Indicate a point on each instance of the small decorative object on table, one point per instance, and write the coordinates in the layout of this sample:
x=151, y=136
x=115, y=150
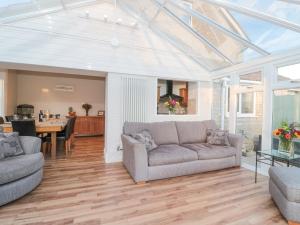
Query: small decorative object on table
x=171, y=105
x=87, y=108
x=71, y=111
x=286, y=133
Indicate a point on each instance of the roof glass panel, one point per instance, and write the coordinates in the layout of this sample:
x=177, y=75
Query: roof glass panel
x=212, y=47
x=167, y=26
x=283, y=9
x=266, y=35
x=233, y=49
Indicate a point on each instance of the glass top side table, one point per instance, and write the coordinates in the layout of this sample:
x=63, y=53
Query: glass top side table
x=272, y=156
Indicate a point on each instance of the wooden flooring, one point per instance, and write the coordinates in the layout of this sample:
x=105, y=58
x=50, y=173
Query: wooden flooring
x=82, y=189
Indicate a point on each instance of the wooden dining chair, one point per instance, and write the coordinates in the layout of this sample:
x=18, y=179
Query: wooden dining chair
x=1, y=120
x=28, y=128
x=9, y=118
x=24, y=127
x=65, y=135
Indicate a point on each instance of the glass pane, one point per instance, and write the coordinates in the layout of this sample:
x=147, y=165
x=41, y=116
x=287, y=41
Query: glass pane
x=250, y=114
x=251, y=78
x=289, y=73
x=167, y=27
x=267, y=36
x=286, y=105
x=219, y=107
x=247, y=102
x=224, y=43
x=280, y=9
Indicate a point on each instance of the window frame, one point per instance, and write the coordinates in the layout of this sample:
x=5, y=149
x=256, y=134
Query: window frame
x=239, y=113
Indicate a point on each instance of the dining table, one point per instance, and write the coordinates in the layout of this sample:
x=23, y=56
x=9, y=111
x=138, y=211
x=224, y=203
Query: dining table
x=51, y=126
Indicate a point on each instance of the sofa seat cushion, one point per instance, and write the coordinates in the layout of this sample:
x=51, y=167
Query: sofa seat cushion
x=287, y=179
x=14, y=168
x=170, y=154
x=207, y=151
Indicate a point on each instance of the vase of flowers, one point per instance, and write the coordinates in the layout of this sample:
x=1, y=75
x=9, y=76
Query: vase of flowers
x=286, y=133
x=171, y=105
x=87, y=108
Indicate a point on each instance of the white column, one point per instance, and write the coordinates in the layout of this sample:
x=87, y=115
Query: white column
x=269, y=76
x=224, y=95
x=234, y=84
x=113, y=118
x=3, y=95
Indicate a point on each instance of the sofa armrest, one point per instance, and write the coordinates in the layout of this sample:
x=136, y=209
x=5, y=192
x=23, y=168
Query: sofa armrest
x=236, y=141
x=30, y=145
x=135, y=158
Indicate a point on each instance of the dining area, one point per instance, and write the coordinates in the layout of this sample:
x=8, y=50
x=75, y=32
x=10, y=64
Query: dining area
x=50, y=131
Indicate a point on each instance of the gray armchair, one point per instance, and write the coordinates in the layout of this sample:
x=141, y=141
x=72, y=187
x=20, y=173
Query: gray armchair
x=19, y=175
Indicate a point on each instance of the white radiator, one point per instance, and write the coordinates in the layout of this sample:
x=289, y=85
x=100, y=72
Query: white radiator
x=135, y=99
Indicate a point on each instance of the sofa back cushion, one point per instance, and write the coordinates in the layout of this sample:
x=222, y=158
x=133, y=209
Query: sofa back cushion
x=210, y=124
x=163, y=133
x=131, y=128
x=194, y=131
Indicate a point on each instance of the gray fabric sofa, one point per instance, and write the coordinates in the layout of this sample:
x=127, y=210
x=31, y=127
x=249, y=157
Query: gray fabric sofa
x=181, y=150
x=284, y=187
x=19, y=175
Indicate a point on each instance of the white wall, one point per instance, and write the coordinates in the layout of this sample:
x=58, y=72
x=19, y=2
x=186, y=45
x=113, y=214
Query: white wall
x=30, y=91
x=115, y=110
x=9, y=92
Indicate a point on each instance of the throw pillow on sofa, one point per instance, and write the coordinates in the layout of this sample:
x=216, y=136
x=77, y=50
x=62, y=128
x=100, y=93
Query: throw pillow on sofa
x=218, y=137
x=146, y=138
x=10, y=145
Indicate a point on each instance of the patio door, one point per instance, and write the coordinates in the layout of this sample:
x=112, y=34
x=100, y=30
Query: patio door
x=249, y=113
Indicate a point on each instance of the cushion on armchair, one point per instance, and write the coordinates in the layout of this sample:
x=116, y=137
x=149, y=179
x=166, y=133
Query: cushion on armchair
x=10, y=145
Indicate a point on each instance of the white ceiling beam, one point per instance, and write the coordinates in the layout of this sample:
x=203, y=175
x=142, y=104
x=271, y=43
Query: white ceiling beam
x=256, y=14
x=212, y=23
x=196, y=34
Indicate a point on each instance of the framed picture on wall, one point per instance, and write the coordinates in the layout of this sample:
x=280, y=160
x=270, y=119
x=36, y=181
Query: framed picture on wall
x=100, y=113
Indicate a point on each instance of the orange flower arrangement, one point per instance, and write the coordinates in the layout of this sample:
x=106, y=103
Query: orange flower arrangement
x=286, y=134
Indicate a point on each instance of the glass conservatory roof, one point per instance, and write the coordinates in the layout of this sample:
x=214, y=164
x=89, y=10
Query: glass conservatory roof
x=214, y=33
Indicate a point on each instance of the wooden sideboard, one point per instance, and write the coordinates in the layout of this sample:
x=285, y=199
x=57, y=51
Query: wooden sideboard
x=89, y=126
